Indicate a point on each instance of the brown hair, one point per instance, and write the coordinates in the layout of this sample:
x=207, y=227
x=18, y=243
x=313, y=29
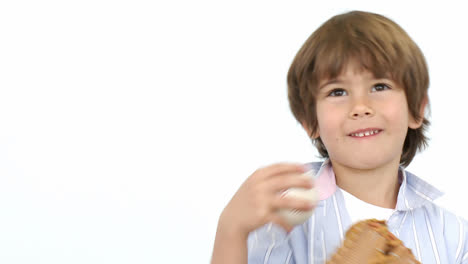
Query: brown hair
x=380, y=46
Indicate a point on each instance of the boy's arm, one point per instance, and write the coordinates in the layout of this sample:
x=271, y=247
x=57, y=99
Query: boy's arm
x=230, y=246
x=255, y=204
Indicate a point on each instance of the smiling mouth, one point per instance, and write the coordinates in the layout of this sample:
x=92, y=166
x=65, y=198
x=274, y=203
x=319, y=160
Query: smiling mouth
x=366, y=133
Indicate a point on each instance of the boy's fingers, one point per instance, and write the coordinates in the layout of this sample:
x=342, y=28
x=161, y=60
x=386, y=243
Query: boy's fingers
x=281, y=168
x=285, y=202
x=291, y=181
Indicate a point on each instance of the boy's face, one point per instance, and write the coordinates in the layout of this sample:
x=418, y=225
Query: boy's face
x=362, y=121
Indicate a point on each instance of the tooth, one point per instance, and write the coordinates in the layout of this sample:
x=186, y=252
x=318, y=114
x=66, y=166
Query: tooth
x=361, y=134
x=372, y=132
x=367, y=133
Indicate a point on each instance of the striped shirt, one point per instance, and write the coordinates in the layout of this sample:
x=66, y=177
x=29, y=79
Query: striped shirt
x=433, y=234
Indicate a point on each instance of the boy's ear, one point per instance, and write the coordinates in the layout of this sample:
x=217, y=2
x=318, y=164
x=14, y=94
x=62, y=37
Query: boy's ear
x=308, y=130
x=415, y=124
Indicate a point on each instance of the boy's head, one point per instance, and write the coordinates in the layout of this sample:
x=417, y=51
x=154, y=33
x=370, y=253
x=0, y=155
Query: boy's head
x=374, y=44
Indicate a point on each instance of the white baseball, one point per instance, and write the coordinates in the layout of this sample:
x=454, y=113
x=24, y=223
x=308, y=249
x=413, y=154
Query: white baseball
x=296, y=217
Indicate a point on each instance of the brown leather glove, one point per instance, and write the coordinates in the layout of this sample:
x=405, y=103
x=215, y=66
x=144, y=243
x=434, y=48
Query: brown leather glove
x=370, y=242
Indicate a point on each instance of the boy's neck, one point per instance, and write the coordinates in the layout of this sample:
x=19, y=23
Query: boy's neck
x=377, y=186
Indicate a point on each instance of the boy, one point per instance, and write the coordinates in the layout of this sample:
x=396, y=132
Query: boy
x=359, y=88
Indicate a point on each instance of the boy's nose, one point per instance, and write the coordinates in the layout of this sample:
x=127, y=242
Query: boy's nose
x=361, y=109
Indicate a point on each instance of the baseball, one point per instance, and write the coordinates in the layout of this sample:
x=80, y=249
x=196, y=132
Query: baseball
x=296, y=217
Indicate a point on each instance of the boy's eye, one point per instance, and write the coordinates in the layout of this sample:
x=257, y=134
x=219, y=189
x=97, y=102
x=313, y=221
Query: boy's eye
x=380, y=87
x=337, y=92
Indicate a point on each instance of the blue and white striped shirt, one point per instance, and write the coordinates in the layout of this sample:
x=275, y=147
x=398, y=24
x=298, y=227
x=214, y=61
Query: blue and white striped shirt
x=433, y=234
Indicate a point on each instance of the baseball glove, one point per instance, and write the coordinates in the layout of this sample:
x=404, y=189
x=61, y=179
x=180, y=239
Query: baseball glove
x=371, y=242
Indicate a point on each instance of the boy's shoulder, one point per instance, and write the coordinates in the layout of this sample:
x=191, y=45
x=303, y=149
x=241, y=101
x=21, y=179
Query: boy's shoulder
x=419, y=197
x=446, y=228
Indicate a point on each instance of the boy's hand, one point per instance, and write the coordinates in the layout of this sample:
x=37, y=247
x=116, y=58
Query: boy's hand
x=259, y=197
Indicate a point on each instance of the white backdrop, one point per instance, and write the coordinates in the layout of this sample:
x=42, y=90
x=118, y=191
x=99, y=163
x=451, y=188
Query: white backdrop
x=126, y=126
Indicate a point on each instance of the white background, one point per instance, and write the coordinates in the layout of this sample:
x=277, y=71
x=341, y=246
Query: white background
x=126, y=126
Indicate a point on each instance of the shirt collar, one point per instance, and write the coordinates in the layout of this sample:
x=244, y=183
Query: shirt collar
x=414, y=192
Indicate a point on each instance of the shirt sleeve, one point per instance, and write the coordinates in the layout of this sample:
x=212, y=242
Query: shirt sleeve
x=455, y=230
x=269, y=245
x=463, y=238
